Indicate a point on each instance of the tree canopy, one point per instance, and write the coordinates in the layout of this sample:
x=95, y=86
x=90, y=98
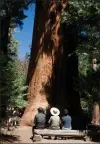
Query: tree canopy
x=11, y=11
x=86, y=16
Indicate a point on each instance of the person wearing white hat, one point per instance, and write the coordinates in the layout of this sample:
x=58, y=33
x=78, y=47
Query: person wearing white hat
x=54, y=121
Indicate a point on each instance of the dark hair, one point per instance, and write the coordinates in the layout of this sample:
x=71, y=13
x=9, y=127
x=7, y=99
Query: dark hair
x=40, y=110
x=65, y=111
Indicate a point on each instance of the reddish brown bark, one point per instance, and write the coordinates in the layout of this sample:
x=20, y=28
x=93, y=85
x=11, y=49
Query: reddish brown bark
x=46, y=41
x=96, y=115
x=96, y=107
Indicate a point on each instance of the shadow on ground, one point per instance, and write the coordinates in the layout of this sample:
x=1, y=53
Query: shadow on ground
x=8, y=139
x=94, y=132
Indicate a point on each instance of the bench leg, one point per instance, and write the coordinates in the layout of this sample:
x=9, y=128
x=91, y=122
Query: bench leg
x=86, y=138
x=37, y=138
x=63, y=138
x=55, y=138
x=49, y=137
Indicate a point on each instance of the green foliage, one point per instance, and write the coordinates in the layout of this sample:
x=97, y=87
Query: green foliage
x=14, y=9
x=18, y=92
x=12, y=79
x=85, y=14
x=81, y=11
x=11, y=15
x=7, y=68
x=84, y=63
x=19, y=84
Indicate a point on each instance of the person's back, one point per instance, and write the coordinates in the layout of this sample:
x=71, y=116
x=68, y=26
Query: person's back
x=54, y=122
x=40, y=121
x=66, y=120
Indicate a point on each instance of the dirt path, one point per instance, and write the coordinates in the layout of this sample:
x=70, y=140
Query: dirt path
x=23, y=135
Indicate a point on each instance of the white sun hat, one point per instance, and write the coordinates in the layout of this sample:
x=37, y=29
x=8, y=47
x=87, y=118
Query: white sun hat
x=54, y=111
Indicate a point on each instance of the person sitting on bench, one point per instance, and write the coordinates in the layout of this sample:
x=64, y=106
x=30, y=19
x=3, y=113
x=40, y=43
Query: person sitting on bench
x=54, y=121
x=39, y=120
x=66, y=121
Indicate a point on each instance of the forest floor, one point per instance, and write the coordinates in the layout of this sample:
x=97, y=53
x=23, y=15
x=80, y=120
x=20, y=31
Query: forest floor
x=23, y=135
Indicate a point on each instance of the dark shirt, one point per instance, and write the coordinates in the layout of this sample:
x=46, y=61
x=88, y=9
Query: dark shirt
x=66, y=120
x=40, y=121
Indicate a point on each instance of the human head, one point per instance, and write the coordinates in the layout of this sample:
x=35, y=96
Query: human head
x=40, y=110
x=65, y=111
x=54, y=111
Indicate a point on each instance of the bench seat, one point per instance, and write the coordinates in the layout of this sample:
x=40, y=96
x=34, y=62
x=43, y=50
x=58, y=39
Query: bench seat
x=61, y=133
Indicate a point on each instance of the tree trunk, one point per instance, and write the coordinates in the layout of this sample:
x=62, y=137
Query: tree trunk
x=46, y=42
x=96, y=105
x=96, y=115
x=4, y=37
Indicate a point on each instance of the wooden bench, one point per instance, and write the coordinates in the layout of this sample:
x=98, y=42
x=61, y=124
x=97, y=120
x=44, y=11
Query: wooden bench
x=38, y=134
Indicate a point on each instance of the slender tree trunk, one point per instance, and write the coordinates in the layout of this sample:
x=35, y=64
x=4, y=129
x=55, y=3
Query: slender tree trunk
x=46, y=41
x=96, y=115
x=96, y=106
x=4, y=37
x=4, y=40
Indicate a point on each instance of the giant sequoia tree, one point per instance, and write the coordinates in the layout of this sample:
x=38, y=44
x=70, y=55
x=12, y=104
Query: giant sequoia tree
x=53, y=69
x=45, y=50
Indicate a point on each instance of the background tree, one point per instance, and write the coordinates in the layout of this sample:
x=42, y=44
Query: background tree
x=19, y=90
x=13, y=72
x=7, y=65
x=11, y=15
x=12, y=10
x=85, y=15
